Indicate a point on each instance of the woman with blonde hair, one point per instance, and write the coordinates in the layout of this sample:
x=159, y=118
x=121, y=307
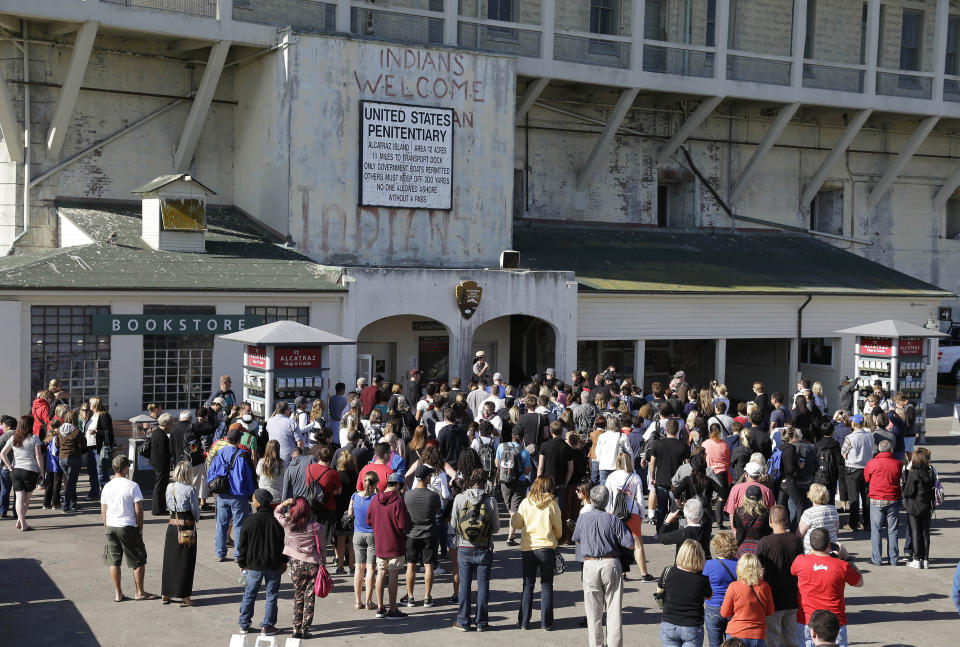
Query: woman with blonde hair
x=822, y=514
x=100, y=440
x=705, y=402
x=751, y=521
x=539, y=520
x=363, y=547
x=626, y=480
x=818, y=397
x=747, y=603
x=721, y=571
x=684, y=589
x=270, y=470
x=180, y=560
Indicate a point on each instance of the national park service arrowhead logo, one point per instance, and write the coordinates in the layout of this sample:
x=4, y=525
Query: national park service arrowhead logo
x=468, y=297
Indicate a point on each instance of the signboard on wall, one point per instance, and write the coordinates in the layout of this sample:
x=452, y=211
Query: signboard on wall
x=879, y=346
x=297, y=358
x=434, y=358
x=910, y=347
x=201, y=324
x=256, y=356
x=406, y=156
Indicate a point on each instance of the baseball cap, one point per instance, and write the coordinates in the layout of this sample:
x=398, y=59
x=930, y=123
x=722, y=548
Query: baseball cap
x=858, y=419
x=480, y=353
x=753, y=469
x=297, y=401
x=424, y=472
x=395, y=477
x=550, y=371
x=247, y=418
x=679, y=374
x=498, y=376
x=220, y=401
x=415, y=371
x=754, y=493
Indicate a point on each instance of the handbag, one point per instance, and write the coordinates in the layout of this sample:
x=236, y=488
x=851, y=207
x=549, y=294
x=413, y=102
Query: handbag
x=660, y=596
x=324, y=583
x=559, y=565
x=221, y=484
x=346, y=521
x=185, y=536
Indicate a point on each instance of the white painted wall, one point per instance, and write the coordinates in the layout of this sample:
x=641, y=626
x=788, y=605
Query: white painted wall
x=70, y=234
x=12, y=400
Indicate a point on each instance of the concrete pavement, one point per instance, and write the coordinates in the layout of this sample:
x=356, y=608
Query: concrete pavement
x=55, y=590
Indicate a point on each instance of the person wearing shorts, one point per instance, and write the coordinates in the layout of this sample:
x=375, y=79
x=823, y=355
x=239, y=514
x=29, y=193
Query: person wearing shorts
x=363, y=545
x=388, y=517
x=514, y=491
x=423, y=505
x=121, y=509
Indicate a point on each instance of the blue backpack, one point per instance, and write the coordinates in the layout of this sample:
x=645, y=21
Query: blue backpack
x=773, y=465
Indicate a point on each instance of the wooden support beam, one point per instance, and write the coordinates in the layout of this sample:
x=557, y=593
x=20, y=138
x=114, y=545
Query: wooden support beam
x=530, y=94
x=846, y=138
x=67, y=99
x=900, y=162
x=769, y=139
x=689, y=126
x=606, y=138
x=201, y=106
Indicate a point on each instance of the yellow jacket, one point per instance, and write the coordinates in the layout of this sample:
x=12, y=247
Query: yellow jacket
x=540, y=524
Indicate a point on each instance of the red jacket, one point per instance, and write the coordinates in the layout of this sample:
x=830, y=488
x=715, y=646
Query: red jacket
x=883, y=475
x=388, y=517
x=41, y=415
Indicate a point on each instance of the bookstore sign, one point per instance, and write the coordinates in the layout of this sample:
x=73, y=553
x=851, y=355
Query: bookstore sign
x=173, y=324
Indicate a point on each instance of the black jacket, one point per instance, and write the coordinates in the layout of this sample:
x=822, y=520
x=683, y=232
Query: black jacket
x=672, y=533
x=918, y=490
x=260, y=546
x=159, y=450
x=177, y=437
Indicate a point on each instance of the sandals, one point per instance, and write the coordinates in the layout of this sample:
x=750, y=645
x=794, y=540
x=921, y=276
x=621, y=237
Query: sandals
x=186, y=603
x=359, y=606
x=148, y=596
x=166, y=600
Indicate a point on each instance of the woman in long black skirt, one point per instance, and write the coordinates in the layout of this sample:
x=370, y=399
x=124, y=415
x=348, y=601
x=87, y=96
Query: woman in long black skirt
x=179, y=560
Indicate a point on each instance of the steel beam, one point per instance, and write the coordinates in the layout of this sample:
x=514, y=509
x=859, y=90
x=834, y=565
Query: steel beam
x=769, y=139
x=600, y=149
x=201, y=106
x=900, y=161
x=531, y=94
x=71, y=88
x=945, y=192
x=691, y=124
x=10, y=125
x=846, y=138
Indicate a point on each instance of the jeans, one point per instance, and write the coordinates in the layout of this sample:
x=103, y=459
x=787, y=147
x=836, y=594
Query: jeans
x=663, y=506
x=804, y=639
x=603, y=476
x=474, y=562
x=891, y=512
x=91, y=459
x=595, y=471
x=796, y=499
x=782, y=628
x=6, y=487
x=857, y=495
x=920, y=531
x=272, y=580
x=230, y=505
x=542, y=560
x=676, y=636
x=71, y=474
x=105, y=466
x=751, y=642
x=715, y=625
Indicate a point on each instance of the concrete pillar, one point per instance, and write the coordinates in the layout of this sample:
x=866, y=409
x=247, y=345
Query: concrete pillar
x=461, y=342
x=126, y=367
x=793, y=370
x=15, y=376
x=720, y=360
x=639, y=360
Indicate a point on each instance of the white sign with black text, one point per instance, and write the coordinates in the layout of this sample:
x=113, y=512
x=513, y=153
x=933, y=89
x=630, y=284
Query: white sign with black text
x=406, y=156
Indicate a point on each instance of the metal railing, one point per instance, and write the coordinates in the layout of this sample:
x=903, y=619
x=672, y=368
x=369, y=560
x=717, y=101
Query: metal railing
x=310, y=15
x=402, y=26
x=664, y=57
x=499, y=37
x=833, y=76
x=901, y=83
x=591, y=49
x=206, y=8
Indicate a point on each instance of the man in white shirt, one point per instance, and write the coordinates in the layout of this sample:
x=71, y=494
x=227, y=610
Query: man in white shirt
x=121, y=509
x=302, y=419
x=610, y=443
x=721, y=418
x=283, y=430
x=488, y=413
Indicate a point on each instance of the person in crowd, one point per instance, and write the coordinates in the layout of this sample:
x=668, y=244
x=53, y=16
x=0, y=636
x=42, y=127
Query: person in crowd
x=53, y=481
x=797, y=476
x=751, y=522
x=343, y=535
x=475, y=519
x=295, y=475
x=625, y=480
x=695, y=484
x=776, y=553
x=321, y=474
x=685, y=589
x=748, y=603
x=260, y=546
x=882, y=475
x=513, y=473
x=98, y=430
x=956, y=588
x=753, y=476
x=822, y=514
x=234, y=463
x=600, y=536
x=856, y=451
x=721, y=571
x=717, y=452
x=556, y=460
x=363, y=544
x=538, y=518
x=830, y=461
x=40, y=413
x=284, y=430
x=918, y=489
x=22, y=455
x=303, y=545
x=740, y=455
x=824, y=628
x=423, y=506
x=821, y=579
x=8, y=427
x=121, y=511
x=388, y=517
x=665, y=458
x=180, y=560
x=270, y=470
x=671, y=532
x=380, y=465
x=225, y=392
x=159, y=457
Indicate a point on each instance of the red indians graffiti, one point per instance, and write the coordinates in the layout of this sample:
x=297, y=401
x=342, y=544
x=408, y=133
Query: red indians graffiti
x=440, y=77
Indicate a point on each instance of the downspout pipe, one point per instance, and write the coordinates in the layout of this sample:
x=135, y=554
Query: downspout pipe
x=800, y=330
x=26, y=144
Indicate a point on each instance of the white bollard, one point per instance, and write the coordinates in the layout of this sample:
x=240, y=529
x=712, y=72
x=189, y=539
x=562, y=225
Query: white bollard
x=265, y=641
x=238, y=640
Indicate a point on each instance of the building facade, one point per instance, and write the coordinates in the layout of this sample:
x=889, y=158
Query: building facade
x=826, y=124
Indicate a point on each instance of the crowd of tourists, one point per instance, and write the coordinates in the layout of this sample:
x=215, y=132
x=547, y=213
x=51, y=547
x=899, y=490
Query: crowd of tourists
x=395, y=478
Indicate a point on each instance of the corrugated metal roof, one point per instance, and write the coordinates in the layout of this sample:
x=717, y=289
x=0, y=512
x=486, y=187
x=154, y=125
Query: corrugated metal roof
x=240, y=256
x=635, y=260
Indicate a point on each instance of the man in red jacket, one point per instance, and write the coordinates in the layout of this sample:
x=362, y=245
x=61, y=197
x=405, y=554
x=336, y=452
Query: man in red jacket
x=388, y=517
x=882, y=475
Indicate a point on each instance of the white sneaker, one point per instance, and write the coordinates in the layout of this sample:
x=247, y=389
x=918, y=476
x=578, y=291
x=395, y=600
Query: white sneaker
x=925, y=564
x=915, y=564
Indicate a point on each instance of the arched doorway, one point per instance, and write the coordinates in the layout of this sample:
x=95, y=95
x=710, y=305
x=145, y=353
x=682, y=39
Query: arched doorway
x=518, y=346
x=391, y=346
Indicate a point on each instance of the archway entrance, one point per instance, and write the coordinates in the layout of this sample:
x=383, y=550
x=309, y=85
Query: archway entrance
x=391, y=346
x=518, y=346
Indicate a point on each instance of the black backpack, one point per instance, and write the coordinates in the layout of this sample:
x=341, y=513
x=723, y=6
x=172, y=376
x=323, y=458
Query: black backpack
x=192, y=449
x=808, y=462
x=827, y=469
x=486, y=456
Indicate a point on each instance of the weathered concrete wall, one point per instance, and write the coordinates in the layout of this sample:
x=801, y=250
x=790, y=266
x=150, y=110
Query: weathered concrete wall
x=329, y=78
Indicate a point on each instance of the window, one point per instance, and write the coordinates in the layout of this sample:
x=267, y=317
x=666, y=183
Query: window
x=816, y=350
x=63, y=347
x=271, y=314
x=811, y=23
x=953, y=41
x=952, y=230
x=182, y=214
x=910, y=30
x=596, y=356
x=826, y=211
x=654, y=27
x=501, y=10
x=602, y=17
x=519, y=192
x=863, y=34
x=711, y=35
x=177, y=369
x=435, y=25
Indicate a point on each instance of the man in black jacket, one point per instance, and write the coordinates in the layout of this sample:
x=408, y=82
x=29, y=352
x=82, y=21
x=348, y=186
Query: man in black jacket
x=159, y=458
x=260, y=555
x=671, y=532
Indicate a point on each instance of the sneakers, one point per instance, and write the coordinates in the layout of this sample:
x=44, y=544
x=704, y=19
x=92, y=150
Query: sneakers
x=454, y=599
x=440, y=570
x=245, y=630
x=924, y=564
x=371, y=606
x=407, y=601
x=297, y=634
x=381, y=612
x=458, y=627
x=269, y=630
x=483, y=627
x=341, y=570
x=395, y=614
x=915, y=563
x=647, y=578
x=511, y=542
x=428, y=601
